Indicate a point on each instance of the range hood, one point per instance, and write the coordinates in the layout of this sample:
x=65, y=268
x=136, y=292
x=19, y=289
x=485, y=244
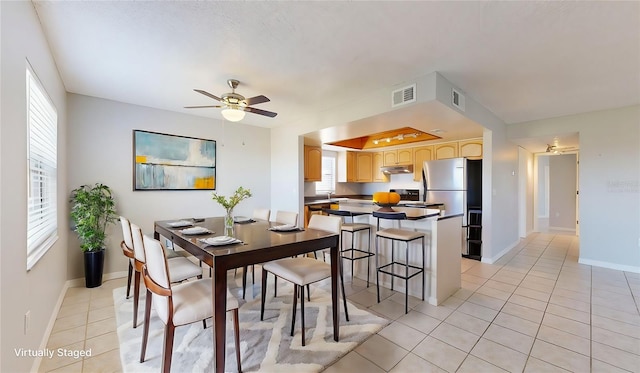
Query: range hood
x=400, y=169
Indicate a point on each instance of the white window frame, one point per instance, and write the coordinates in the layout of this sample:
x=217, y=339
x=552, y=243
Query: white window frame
x=42, y=169
x=328, y=183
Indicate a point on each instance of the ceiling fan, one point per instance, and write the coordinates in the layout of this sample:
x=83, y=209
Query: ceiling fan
x=555, y=149
x=235, y=105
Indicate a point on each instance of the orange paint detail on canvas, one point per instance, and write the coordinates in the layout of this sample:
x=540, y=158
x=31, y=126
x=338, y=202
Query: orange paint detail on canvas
x=204, y=183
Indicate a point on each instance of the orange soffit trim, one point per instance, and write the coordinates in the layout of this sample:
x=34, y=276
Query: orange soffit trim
x=141, y=159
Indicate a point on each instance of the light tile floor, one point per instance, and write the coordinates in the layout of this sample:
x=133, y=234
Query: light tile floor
x=535, y=310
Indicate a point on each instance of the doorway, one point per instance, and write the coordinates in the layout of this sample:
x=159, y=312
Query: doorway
x=555, y=193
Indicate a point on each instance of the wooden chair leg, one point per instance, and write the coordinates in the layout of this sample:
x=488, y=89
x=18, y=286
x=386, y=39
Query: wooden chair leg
x=275, y=286
x=302, y=311
x=295, y=305
x=264, y=293
x=236, y=330
x=169, y=331
x=136, y=296
x=244, y=281
x=204, y=324
x=129, y=279
x=145, y=331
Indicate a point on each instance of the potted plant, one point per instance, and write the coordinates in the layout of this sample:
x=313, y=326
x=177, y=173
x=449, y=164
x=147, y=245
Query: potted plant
x=228, y=204
x=92, y=209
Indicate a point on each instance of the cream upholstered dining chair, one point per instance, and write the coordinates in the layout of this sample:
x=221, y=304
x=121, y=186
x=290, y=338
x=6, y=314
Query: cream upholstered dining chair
x=177, y=305
x=180, y=267
x=287, y=217
x=284, y=217
x=302, y=271
x=262, y=214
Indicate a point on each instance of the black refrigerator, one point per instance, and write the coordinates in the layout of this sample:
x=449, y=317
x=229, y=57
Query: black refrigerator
x=457, y=183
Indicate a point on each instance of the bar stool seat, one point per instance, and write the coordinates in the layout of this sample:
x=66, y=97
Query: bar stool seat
x=399, y=234
x=352, y=253
x=395, y=268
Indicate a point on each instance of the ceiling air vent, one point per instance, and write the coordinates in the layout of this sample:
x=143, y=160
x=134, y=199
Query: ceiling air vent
x=403, y=95
x=457, y=99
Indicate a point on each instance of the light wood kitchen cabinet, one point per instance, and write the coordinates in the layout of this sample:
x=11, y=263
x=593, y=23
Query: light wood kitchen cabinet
x=421, y=154
x=446, y=150
x=471, y=149
x=378, y=161
x=398, y=156
x=364, y=167
x=312, y=163
x=347, y=167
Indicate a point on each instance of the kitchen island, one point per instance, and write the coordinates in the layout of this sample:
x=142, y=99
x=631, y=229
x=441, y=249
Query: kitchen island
x=443, y=244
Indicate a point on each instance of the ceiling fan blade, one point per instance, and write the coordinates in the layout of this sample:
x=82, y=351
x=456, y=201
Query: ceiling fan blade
x=270, y=114
x=199, y=107
x=208, y=94
x=257, y=100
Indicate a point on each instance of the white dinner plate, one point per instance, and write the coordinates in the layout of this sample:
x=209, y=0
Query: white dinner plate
x=285, y=227
x=179, y=223
x=195, y=230
x=241, y=219
x=219, y=241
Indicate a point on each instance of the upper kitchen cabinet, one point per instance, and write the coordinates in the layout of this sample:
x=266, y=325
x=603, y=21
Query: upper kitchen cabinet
x=421, y=154
x=446, y=150
x=347, y=167
x=398, y=156
x=364, y=167
x=378, y=161
x=312, y=163
x=471, y=149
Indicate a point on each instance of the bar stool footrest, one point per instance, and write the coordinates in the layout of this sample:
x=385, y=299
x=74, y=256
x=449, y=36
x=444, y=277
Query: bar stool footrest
x=356, y=254
x=397, y=269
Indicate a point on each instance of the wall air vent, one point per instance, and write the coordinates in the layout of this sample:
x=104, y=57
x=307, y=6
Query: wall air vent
x=403, y=96
x=457, y=99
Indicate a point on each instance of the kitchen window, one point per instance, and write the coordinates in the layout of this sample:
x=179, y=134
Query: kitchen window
x=328, y=183
x=42, y=169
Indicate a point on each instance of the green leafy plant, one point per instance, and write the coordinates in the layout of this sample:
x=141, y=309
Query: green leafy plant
x=239, y=195
x=92, y=209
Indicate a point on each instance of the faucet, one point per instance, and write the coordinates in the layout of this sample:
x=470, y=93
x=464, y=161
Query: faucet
x=329, y=195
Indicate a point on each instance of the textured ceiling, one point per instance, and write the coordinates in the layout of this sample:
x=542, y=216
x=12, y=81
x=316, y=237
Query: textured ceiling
x=521, y=60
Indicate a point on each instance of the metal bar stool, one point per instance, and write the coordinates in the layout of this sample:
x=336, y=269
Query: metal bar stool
x=352, y=253
x=395, y=268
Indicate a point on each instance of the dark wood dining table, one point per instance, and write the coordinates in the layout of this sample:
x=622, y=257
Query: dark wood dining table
x=259, y=245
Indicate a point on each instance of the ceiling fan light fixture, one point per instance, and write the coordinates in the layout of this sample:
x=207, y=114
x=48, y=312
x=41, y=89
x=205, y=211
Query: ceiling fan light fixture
x=233, y=114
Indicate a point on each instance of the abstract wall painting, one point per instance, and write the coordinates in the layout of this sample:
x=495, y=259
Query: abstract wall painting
x=172, y=162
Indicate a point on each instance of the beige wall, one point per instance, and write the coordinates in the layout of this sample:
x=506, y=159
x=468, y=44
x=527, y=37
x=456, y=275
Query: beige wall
x=100, y=150
x=609, y=177
x=39, y=289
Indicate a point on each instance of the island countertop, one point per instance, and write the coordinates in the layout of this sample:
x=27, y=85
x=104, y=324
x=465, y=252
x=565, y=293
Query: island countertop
x=412, y=213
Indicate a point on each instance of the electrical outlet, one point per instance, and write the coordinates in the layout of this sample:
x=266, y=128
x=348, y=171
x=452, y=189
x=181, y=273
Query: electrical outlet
x=27, y=321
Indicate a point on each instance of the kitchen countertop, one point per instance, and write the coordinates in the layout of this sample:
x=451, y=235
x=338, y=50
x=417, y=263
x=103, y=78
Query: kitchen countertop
x=412, y=213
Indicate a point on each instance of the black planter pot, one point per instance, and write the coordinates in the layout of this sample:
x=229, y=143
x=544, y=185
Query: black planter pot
x=93, y=267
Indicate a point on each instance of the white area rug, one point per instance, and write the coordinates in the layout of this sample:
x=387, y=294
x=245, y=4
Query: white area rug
x=266, y=346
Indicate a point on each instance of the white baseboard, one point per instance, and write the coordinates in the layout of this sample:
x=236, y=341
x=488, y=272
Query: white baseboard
x=47, y=333
x=497, y=257
x=619, y=267
x=77, y=282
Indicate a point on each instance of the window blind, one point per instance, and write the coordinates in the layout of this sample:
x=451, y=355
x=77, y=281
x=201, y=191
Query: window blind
x=328, y=183
x=42, y=163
